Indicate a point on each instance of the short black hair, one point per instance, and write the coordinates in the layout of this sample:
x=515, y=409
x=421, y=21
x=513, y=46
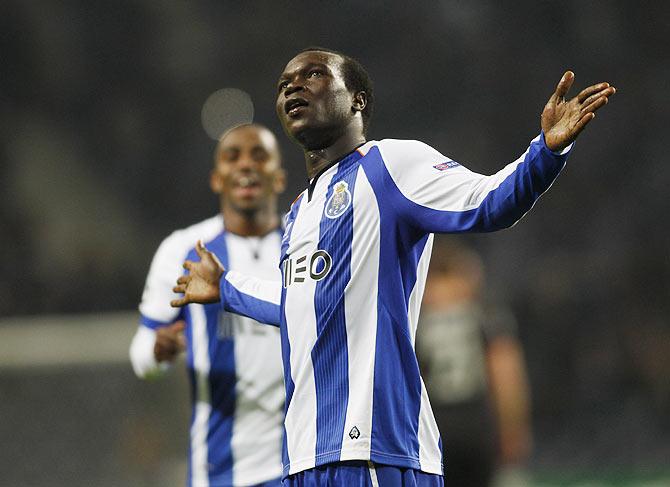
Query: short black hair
x=356, y=79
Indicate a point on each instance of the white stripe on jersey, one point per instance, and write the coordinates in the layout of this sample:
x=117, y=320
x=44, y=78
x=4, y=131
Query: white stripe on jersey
x=414, y=305
x=430, y=454
x=361, y=340
x=200, y=426
x=259, y=393
x=260, y=289
x=301, y=329
x=418, y=185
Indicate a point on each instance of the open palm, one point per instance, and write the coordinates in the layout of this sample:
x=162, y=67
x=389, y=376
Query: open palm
x=201, y=284
x=563, y=120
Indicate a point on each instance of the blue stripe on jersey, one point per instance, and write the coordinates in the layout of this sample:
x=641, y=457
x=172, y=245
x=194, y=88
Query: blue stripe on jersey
x=330, y=354
x=221, y=382
x=501, y=208
x=153, y=324
x=397, y=387
x=188, y=335
x=222, y=379
x=285, y=343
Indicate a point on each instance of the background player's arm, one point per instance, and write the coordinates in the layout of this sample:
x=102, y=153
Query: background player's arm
x=439, y=195
x=153, y=350
x=511, y=398
x=208, y=282
x=158, y=336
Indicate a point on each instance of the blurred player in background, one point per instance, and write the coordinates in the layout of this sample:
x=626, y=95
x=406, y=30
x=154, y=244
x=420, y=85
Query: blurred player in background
x=234, y=363
x=354, y=259
x=474, y=370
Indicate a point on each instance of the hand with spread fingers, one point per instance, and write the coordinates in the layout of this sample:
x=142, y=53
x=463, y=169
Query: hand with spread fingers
x=563, y=120
x=201, y=284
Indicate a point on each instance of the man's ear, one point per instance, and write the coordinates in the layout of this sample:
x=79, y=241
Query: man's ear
x=279, y=181
x=215, y=182
x=360, y=101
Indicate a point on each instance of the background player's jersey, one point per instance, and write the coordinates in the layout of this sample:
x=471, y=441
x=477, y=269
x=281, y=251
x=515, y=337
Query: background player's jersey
x=234, y=363
x=354, y=261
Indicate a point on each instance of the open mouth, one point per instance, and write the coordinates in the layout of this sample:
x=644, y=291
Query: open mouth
x=247, y=182
x=294, y=106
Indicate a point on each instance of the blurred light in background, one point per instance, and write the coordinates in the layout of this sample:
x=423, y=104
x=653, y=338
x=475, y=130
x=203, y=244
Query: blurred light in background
x=225, y=109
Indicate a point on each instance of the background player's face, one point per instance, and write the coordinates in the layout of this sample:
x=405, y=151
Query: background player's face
x=312, y=98
x=248, y=171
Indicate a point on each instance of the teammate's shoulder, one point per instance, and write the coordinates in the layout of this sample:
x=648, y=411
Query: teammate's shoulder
x=184, y=239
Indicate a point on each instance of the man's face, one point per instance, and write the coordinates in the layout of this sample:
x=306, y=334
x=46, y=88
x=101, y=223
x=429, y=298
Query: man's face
x=248, y=169
x=312, y=97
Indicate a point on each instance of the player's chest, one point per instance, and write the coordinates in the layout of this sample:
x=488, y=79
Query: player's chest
x=337, y=207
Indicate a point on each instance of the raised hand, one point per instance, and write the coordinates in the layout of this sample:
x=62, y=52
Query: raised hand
x=563, y=120
x=170, y=342
x=201, y=284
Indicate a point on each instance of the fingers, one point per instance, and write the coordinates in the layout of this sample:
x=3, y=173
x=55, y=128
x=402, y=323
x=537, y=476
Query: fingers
x=200, y=249
x=596, y=95
x=586, y=92
x=579, y=126
x=188, y=265
x=178, y=326
x=170, y=341
x=182, y=284
x=595, y=105
x=565, y=84
x=178, y=303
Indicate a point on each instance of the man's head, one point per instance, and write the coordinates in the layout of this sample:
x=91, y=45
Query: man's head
x=247, y=169
x=322, y=94
x=456, y=275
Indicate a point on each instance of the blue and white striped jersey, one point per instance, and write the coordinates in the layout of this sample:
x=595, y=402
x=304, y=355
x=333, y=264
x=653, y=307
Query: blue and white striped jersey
x=354, y=260
x=234, y=363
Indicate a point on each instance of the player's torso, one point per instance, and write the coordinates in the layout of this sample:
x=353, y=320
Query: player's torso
x=332, y=229
x=330, y=269
x=236, y=342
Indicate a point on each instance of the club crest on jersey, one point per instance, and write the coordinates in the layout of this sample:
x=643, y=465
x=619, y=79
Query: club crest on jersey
x=443, y=166
x=339, y=201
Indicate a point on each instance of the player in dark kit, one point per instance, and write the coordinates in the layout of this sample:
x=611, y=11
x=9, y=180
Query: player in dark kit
x=354, y=258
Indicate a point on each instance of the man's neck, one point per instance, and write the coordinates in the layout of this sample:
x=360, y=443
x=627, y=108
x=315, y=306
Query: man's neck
x=250, y=224
x=317, y=159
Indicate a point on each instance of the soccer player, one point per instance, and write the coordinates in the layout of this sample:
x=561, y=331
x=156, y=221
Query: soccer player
x=234, y=363
x=473, y=367
x=354, y=258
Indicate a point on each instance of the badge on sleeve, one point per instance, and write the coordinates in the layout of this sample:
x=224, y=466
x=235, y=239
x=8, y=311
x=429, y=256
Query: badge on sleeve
x=443, y=166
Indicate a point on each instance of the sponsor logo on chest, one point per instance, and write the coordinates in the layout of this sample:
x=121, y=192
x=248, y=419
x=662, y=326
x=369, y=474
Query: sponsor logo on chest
x=316, y=266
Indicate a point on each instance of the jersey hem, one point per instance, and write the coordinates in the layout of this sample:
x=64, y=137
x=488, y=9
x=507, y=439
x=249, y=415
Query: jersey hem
x=368, y=455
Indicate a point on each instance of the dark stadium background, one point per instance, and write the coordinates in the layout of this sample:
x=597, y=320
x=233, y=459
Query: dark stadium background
x=103, y=153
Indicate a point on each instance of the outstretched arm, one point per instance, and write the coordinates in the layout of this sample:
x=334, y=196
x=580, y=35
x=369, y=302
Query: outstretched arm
x=208, y=282
x=436, y=194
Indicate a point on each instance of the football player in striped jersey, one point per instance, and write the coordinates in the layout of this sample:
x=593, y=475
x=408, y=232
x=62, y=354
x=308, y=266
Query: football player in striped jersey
x=233, y=362
x=354, y=259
